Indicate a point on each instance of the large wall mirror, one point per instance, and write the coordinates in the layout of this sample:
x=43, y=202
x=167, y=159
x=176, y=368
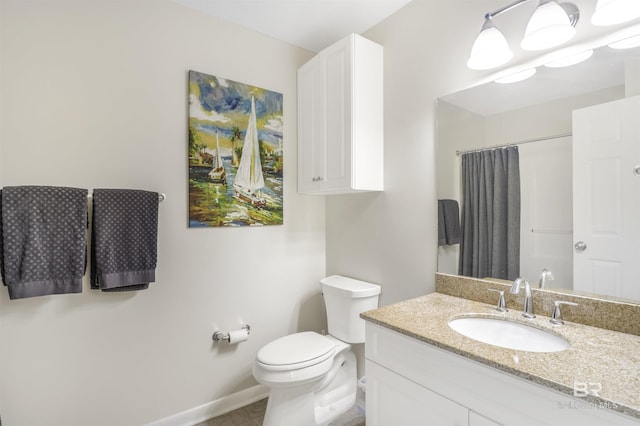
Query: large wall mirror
x=577, y=130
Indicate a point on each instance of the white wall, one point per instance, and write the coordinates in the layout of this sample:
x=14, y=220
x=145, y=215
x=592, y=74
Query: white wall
x=456, y=129
x=94, y=94
x=544, y=120
x=546, y=217
x=390, y=237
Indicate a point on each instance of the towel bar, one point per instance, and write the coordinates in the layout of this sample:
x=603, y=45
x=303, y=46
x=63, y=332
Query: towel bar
x=161, y=196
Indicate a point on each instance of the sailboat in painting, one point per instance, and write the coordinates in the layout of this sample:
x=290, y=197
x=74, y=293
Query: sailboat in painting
x=217, y=173
x=249, y=180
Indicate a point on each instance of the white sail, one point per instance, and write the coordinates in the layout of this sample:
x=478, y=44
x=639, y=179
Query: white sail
x=218, y=162
x=217, y=173
x=249, y=177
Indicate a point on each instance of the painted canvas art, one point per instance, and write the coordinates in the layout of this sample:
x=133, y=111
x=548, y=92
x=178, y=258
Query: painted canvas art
x=235, y=153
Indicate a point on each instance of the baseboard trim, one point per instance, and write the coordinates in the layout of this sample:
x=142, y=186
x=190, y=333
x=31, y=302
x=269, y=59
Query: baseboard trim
x=215, y=408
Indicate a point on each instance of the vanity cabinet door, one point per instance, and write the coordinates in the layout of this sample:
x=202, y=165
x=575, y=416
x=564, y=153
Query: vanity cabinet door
x=395, y=400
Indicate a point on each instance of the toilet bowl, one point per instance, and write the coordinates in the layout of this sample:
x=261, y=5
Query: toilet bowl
x=312, y=378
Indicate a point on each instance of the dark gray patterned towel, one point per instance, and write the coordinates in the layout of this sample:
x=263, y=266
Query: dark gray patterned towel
x=1, y=246
x=449, y=231
x=44, y=231
x=124, y=239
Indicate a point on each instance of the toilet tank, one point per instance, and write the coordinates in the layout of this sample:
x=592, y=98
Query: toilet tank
x=345, y=298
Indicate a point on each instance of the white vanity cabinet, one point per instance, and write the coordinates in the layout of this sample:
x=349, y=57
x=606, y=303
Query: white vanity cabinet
x=340, y=119
x=410, y=382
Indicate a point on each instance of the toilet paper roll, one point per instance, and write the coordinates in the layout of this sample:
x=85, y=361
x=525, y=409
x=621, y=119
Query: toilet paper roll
x=238, y=336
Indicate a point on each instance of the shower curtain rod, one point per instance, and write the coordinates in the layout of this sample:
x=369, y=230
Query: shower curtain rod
x=488, y=148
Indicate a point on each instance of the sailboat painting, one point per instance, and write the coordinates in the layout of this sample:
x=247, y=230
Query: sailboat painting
x=235, y=153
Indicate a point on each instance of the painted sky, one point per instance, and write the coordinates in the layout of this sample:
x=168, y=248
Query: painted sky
x=220, y=99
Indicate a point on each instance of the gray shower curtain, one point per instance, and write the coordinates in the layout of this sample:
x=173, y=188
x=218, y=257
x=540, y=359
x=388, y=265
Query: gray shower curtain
x=490, y=214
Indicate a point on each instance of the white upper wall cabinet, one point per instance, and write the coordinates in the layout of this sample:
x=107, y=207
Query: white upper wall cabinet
x=340, y=119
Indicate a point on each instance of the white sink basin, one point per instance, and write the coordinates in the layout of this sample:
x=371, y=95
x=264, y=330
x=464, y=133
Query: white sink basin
x=508, y=334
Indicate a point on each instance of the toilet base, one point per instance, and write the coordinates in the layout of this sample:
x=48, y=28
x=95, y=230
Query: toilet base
x=318, y=402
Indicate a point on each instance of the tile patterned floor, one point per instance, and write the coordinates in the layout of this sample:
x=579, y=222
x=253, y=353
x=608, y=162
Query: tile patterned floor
x=252, y=415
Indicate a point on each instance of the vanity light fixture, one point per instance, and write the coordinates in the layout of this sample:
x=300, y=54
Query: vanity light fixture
x=627, y=43
x=570, y=60
x=611, y=12
x=550, y=25
x=516, y=77
x=490, y=50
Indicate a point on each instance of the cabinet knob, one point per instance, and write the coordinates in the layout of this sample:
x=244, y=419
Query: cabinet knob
x=316, y=179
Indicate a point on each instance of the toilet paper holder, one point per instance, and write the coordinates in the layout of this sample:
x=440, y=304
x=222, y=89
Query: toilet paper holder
x=219, y=336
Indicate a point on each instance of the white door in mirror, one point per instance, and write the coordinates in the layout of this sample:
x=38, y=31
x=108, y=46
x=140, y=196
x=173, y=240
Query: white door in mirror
x=605, y=212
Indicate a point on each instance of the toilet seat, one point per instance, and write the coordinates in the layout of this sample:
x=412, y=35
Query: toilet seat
x=295, y=351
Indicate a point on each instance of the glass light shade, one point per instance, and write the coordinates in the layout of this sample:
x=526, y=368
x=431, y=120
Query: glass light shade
x=570, y=60
x=611, y=12
x=516, y=77
x=490, y=50
x=548, y=27
x=627, y=43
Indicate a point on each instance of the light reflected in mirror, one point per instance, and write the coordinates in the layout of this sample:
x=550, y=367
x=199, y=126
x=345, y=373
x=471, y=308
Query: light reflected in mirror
x=537, y=115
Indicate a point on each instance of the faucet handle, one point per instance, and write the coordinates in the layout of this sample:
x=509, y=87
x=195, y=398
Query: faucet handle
x=556, y=317
x=502, y=305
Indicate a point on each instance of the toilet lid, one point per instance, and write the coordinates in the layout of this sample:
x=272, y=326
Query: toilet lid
x=299, y=348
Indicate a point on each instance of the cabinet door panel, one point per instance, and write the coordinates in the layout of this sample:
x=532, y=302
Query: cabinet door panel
x=394, y=400
x=337, y=172
x=310, y=133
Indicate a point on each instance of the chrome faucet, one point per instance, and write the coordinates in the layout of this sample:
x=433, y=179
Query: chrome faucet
x=544, y=276
x=528, y=299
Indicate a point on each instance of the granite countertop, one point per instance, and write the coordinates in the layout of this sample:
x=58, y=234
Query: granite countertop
x=608, y=358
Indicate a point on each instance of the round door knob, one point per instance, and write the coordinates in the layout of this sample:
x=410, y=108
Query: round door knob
x=580, y=246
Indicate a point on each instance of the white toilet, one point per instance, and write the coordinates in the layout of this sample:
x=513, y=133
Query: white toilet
x=312, y=378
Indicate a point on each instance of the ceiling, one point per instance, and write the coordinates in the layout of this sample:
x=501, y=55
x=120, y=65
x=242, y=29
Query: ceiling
x=310, y=24
x=316, y=24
